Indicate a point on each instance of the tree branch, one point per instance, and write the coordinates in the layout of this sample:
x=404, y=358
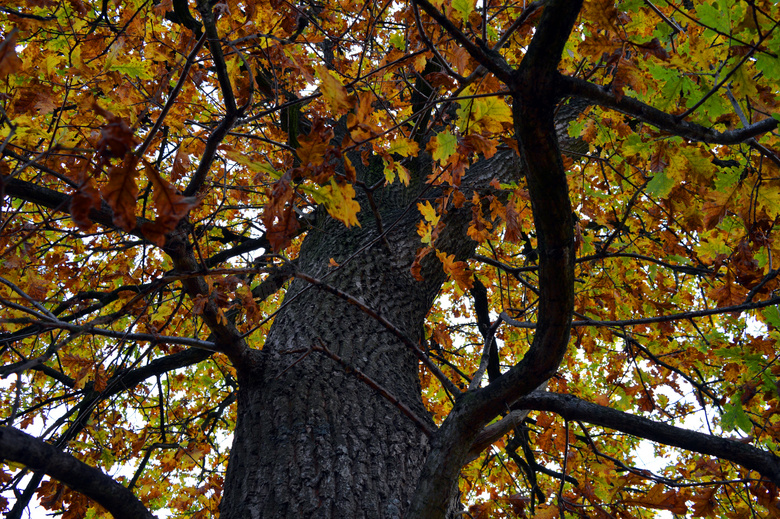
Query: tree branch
x=573, y=408
x=662, y=120
x=492, y=61
x=535, y=97
x=37, y=455
x=658, y=319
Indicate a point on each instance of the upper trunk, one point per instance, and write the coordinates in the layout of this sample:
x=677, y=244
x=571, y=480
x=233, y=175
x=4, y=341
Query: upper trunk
x=312, y=439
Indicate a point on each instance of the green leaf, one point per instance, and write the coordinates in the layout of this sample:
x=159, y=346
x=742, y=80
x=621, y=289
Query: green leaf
x=398, y=41
x=772, y=315
x=444, y=146
x=463, y=7
x=660, y=185
x=135, y=68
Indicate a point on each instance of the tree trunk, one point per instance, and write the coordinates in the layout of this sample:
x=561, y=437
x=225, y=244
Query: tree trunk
x=312, y=439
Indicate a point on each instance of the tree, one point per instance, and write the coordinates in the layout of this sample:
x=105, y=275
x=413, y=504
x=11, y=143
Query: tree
x=390, y=259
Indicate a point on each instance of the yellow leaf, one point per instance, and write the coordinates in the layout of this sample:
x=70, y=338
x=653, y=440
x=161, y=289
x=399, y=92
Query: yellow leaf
x=428, y=212
x=404, y=147
x=394, y=168
x=334, y=93
x=340, y=202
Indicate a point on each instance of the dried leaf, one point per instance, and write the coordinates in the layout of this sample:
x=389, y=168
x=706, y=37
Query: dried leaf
x=9, y=61
x=121, y=192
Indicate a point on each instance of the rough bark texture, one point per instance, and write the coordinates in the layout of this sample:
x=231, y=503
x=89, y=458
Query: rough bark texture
x=313, y=440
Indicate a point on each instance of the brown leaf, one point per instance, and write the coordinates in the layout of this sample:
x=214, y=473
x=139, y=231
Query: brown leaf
x=180, y=164
x=513, y=226
x=168, y=202
x=9, y=61
x=121, y=192
x=657, y=498
x=660, y=159
x=704, y=502
x=729, y=293
x=656, y=49
x=116, y=137
x=82, y=201
x=170, y=205
x=279, y=217
x=312, y=146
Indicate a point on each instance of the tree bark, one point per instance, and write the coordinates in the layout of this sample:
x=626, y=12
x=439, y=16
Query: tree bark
x=312, y=439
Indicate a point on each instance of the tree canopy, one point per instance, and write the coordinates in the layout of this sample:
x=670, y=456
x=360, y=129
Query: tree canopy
x=583, y=194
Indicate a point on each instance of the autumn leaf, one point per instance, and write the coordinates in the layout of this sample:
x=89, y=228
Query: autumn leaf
x=116, y=137
x=333, y=91
x=513, y=226
x=9, y=61
x=312, y=146
x=728, y=293
x=85, y=198
x=121, y=192
x=170, y=205
x=279, y=217
x=339, y=200
x=457, y=270
x=442, y=146
x=657, y=498
x=393, y=169
x=404, y=147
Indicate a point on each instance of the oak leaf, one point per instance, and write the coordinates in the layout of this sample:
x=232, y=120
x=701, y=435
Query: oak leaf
x=9, y=61
x=457, y=270
x=116, y=137
x=333, y=91
x=121, y=192
x=82, y=202
x=170, y=205
x=279, y=217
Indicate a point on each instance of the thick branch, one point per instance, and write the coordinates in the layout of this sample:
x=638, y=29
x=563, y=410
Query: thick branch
x=572, y=408
x=657, y=319
x=57, y=201
x=535, y=96
x=662, y=120
x=22, y=448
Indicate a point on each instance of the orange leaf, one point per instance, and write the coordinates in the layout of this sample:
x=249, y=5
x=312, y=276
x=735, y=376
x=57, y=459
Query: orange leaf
x=458, y=270
x=312, y=146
